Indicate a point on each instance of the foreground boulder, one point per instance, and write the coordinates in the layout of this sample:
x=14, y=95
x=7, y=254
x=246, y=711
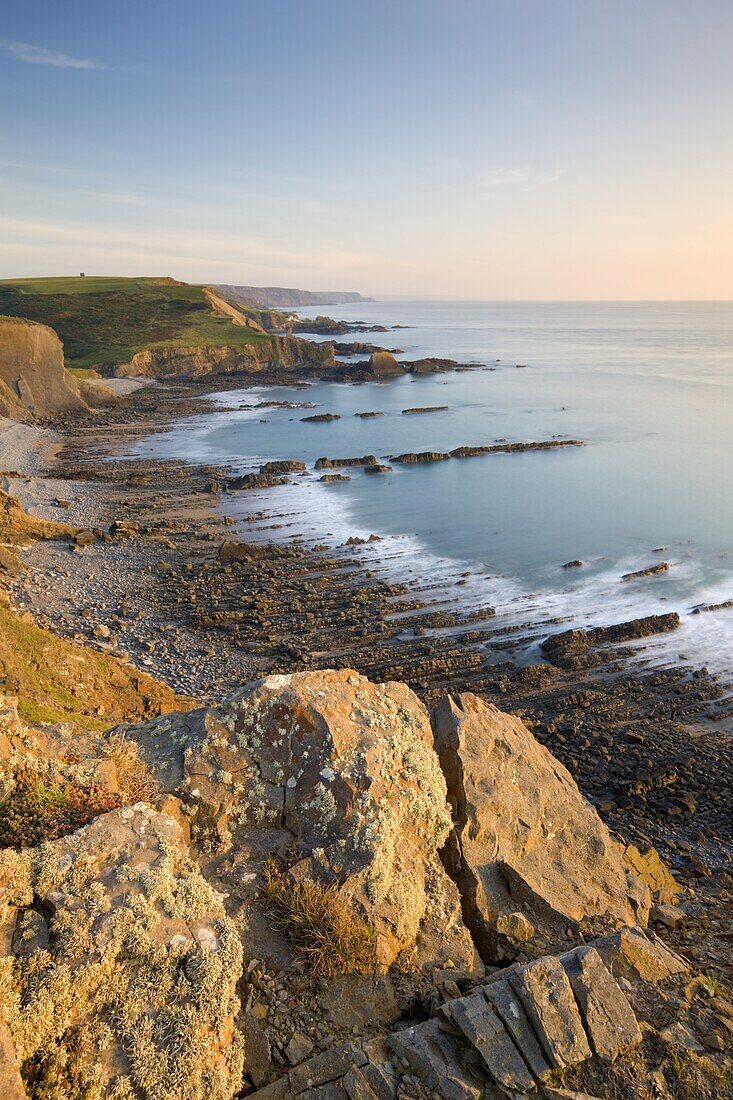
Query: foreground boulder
x=529, y=853
x=118, y=966
x=342, y=774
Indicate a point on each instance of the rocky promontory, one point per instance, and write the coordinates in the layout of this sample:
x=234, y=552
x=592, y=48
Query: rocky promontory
x=317, y=883
x=205, y=361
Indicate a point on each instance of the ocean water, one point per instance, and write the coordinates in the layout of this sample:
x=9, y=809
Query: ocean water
x=647, y=386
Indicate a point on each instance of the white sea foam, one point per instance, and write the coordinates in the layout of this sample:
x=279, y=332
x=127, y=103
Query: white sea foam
x=315, y=513
x=637, y=382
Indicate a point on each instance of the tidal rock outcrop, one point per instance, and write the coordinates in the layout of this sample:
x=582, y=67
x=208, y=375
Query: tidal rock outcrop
x=571, y=644
x=480, y=450
x=650, y=571
x=529, y=853
x=118, y=965
x=382, y=364
x=326, y=463
x=343, y=773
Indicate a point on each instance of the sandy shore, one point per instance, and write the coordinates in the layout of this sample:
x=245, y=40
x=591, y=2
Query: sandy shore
x=28, y=462
x=26, y=449
x=124, y=386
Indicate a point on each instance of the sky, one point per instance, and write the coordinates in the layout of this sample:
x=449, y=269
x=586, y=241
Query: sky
x=530, y=149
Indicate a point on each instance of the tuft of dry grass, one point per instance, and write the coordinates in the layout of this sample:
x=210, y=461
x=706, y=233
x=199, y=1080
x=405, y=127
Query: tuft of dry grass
x=134, y=777
x=693, y=1078
x=320, y=924
x=652, y=1071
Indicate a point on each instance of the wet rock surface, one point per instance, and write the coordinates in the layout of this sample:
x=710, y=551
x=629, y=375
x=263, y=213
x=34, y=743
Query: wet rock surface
x=333, y=463
x=574, y=643
x=479, y=451
x=650, y=571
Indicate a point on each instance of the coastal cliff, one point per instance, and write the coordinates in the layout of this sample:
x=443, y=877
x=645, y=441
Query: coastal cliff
x=33, y=380
x=278, y=297
x=269, y=354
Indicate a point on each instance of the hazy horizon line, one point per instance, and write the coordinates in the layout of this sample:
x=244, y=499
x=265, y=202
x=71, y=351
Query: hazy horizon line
x=381, y=297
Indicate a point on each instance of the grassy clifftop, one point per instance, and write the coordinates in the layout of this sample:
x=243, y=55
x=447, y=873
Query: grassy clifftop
x=57, y=680
x=105, y=321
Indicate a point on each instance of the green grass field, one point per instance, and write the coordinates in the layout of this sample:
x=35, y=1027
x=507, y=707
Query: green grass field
x=104, y=321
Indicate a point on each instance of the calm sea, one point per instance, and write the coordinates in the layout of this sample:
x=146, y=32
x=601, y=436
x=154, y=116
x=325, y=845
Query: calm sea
x=649, y=386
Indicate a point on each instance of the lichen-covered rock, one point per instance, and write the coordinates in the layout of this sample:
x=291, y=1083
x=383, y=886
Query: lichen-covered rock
x=526, y=844
x=344, y=770
x=130, y=993
x=51, y=753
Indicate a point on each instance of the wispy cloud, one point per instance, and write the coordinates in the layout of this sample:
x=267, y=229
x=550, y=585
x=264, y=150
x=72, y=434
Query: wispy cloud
x=501, y=177
x=524, y=99
x=37, y=55
x=505, y=177
x=127, y=198
x=173, y=246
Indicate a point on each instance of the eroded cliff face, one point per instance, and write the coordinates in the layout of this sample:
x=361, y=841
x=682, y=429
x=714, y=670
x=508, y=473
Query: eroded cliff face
x=33, y=380
x=198, y=362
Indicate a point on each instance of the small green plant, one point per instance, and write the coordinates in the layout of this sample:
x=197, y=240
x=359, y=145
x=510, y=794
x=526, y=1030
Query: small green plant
x=34, y=811
x=320, y=924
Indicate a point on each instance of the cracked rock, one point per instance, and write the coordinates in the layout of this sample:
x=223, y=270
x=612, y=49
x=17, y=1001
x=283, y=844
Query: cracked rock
x=528, y=852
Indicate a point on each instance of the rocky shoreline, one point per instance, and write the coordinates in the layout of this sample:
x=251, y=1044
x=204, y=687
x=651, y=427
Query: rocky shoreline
x=167, y=595
x=159, y=575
